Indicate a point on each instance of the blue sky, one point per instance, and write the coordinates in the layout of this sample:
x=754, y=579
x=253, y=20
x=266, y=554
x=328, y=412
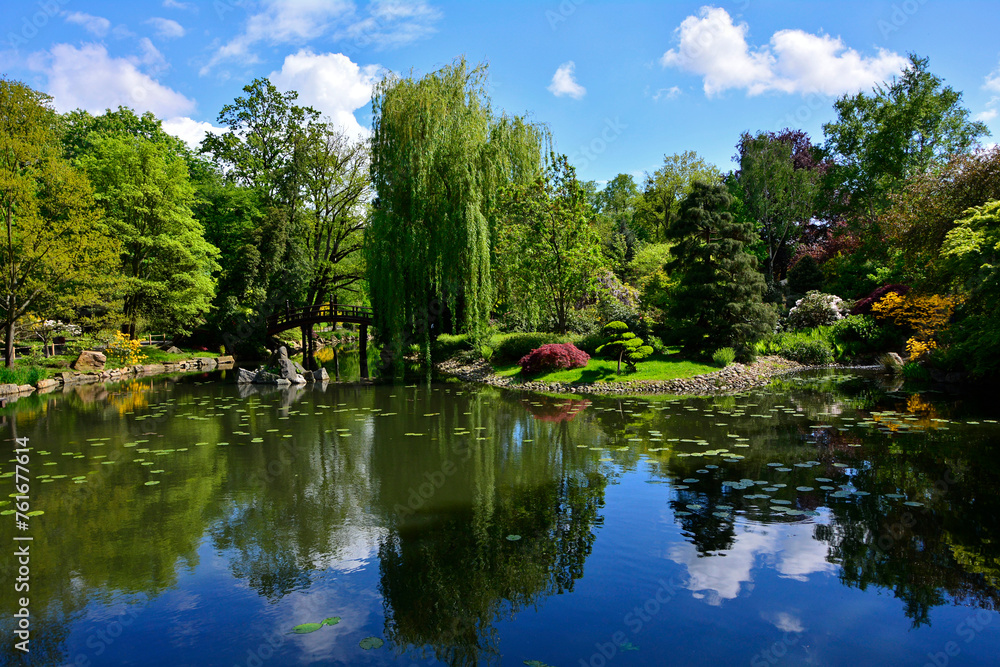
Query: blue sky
x=620, y=84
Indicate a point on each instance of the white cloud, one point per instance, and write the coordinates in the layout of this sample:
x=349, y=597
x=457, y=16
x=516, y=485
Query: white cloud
x=564, y=83
x=671, y=93
x=794, y=61
x=330, y=83
x=174, y=4
x=88, y=78
x=166, y=28
x=96, y=25
x=189, y=130
x=985, y=116
x=393, y=23
x=785, y=622
x=386, y=23
x=151, y=56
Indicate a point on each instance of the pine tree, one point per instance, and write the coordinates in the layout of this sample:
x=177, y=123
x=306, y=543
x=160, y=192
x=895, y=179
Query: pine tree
x=719, y=301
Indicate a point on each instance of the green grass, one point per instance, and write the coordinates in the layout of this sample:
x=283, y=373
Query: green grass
x=657, y=367
x=21, y=374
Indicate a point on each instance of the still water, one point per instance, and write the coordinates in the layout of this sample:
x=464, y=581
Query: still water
x=826, y=520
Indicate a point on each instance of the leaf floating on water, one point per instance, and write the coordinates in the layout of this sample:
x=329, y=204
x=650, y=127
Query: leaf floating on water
x=513, y=538
x=536, y=663
x=151, y=483
x=369, y=643
x=913, y=503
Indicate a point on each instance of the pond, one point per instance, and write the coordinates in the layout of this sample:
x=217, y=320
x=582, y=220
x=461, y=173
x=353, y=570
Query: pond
x=826, y=520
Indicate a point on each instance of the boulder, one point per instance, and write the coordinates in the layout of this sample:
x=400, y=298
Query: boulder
x=174, y=350
x=90, y=360
x=263, y=377
x=25, y=389
x=282, y=382
x=298, y=367
x=205, y=363
x=226, y=359
x=46, y=384
x=6, y=389
x=891, y=362
x=320, y=375
x=244, y=376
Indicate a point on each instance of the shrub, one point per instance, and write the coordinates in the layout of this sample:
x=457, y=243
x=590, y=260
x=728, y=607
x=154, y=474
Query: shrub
x=447, y=346
x=816, y=309
x=516, y=345
x=914, y=371
x=21, y=375
x=861, y=334
x=812, y=352
x=864, y=306
x=124, y=350
x=590, y=342
x=724, y=356
x=553, y=356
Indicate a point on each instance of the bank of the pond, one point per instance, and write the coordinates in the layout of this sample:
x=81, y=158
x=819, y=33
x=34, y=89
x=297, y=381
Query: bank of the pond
x=11, y=392
x=732, y=378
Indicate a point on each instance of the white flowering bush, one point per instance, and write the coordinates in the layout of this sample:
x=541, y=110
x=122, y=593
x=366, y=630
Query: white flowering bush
x=817, y=309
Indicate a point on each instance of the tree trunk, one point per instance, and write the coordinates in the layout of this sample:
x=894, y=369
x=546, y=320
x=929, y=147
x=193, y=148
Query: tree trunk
x=9, y=346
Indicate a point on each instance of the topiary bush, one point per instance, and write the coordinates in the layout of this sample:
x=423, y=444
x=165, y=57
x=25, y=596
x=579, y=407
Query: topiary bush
x=553, y=356
x=516, y=345
x=816, y=309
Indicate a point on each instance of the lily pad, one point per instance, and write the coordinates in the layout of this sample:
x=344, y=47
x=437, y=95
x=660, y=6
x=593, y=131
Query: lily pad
x=369, y=643
x=305, y=628
x=513, y=538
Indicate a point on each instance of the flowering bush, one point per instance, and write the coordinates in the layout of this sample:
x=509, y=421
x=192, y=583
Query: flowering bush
x=124, y=350
x=864, y=306
x=552, y=357
x=816, y=309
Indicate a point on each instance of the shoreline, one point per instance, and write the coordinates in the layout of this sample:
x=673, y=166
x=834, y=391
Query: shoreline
x=733, y=378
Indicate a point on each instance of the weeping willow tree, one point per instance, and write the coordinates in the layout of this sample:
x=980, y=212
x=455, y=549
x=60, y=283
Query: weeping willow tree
x=439, y=159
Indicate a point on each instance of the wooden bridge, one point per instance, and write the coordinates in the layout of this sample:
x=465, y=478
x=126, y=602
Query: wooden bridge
x=291, y=318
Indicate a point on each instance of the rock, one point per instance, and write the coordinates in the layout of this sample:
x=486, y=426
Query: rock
x=25, y=389
x=244, y=376
x=205, y=363
x=307, y=376
x=226, y=359
x=891, y=362
x=174, y=350
x=6, y=389
x=298, y=367
x=90, y=360
x=263, y=377
x=320, y=375
x=46, y=384
x=282, y=382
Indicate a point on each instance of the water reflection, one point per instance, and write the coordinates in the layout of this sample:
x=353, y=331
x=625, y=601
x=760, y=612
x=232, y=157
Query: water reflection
x=454, y=511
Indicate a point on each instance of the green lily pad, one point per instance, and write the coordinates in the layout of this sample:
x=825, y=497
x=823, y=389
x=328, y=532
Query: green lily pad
x=369, y=643
x=305, y=628
x=513, y=538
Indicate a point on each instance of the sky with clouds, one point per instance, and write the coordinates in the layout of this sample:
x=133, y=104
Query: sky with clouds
x=620, y=84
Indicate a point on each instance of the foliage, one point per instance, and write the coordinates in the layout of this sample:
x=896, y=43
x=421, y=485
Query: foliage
x=553, y=356
x=724, y=356
x=811, y=352
x=916, y=372
x=972, y=260
x=550, y=250
x=777, y=194
x=805, y=276
x=816, y=309
x=864, y=306
x=55, y=250
x=21, y=375
x=719, y=295
x=146, y=195
x=124, y=350
x=512, y=347
x=924, y=315
x=605, y=370
x=931, y=206
x=897, y=131
x=858, y=335
x=665, y=189
x=624, y=345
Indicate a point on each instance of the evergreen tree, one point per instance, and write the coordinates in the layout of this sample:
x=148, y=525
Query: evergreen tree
x=805, y=276
x=718, y=302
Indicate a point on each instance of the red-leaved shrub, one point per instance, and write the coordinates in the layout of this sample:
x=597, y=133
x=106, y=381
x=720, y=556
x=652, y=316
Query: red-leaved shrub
x=553, y=356
x=864, y=306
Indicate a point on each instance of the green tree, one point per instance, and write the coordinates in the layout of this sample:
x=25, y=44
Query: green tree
x=439, y=157
x=971, y=256
x=665, y=189
x=624, y=345
x=146, y=195
x=718, y=301
x=54, y=243
x=550, y=249
x=898, y=130
x=615, y=208
x=776, y=194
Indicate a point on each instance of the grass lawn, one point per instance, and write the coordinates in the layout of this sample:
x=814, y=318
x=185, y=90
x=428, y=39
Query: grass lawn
x=25, y=372
x=657, y=367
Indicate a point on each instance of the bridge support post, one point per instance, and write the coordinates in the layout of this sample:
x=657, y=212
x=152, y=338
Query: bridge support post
x=363, y=353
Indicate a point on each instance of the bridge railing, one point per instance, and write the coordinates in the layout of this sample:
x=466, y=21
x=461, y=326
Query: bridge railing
x=330, y=311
